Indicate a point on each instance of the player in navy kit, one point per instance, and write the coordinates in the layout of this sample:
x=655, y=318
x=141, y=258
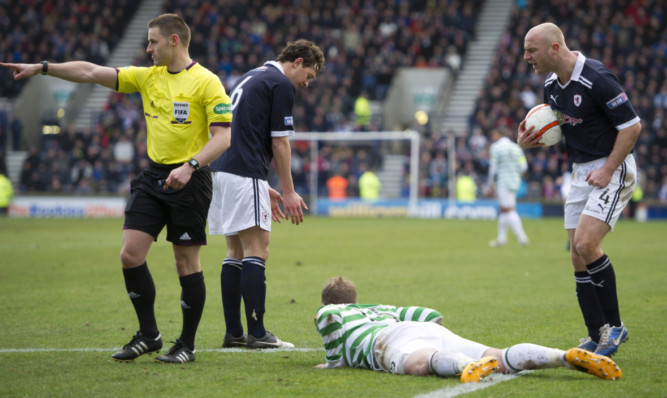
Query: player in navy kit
x=243, y=204
x=600, y=128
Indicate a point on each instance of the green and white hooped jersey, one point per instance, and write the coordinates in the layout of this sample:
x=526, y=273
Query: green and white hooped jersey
x=507, y=162
x=349, y=330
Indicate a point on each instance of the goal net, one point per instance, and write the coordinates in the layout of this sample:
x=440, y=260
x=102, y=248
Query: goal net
x=317, y=157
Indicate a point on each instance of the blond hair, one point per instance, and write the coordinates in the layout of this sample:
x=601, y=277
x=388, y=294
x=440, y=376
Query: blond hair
x=339, y=290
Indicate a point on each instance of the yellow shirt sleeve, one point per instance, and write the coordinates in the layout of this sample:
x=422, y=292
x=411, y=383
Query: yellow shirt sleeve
x=217, y=104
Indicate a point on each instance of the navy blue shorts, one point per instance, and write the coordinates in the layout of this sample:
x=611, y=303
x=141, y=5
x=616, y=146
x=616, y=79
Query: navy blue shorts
x=183, y=211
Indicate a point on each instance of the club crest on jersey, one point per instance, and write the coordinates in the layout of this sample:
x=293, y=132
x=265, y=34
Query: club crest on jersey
x=617, y=101
x=181, y=111
x=577, y=100
x=289, y=121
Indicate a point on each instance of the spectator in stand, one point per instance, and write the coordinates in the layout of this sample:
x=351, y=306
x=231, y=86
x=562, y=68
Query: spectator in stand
x=337, y=186
x=6, y=192
x=380, y=41
x=369, y=183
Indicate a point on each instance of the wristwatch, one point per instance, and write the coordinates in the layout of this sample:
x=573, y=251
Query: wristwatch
x=45, y=67
x=194, y=163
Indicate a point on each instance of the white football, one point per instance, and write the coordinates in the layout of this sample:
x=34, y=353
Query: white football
x=546, y=124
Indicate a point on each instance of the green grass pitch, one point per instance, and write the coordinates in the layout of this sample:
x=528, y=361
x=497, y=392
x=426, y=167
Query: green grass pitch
x=62, y=289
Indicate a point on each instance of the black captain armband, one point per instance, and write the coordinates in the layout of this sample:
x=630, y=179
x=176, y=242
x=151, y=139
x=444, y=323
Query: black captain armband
x=45, y=67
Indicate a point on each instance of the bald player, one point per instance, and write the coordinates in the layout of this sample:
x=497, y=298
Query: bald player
x=600, y=127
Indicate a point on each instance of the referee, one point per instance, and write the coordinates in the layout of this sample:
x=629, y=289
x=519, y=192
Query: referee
x=183, y=103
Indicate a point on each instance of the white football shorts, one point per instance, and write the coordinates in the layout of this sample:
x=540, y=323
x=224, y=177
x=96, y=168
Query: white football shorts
x=606, y=203
x=395, y=343
x=238, y=203
x=506, y=197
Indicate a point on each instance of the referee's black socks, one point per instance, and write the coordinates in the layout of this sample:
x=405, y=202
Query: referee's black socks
x=193, y=297
x=141, y=290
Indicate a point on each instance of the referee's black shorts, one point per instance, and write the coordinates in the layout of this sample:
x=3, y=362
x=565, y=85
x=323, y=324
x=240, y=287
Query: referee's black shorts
x=183, y=211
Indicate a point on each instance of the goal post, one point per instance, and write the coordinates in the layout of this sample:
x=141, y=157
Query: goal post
x=412, y=137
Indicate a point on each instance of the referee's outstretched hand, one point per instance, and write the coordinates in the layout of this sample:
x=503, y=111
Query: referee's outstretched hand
x=23, y=71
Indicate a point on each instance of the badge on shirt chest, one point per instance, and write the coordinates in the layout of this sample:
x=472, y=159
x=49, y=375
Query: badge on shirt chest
x=181, y=111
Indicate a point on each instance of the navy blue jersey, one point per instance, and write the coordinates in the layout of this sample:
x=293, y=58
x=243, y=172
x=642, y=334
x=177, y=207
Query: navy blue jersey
x=262, y=102
x=592, y=107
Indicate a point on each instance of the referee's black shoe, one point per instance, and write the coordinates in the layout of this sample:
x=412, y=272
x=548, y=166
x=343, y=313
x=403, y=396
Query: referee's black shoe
x=179, y=353
x=139, y=345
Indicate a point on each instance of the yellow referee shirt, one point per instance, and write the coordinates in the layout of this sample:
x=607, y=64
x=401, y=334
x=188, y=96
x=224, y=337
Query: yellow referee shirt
x=179, y=108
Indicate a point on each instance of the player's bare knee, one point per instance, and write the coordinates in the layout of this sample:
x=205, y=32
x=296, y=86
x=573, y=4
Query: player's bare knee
x=498, y=354
x=416, y=368
x=129, y=259
x=585, y=248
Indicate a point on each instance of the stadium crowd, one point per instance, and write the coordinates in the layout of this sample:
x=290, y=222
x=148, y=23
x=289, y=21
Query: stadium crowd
x=365, y=42
x=628, y=36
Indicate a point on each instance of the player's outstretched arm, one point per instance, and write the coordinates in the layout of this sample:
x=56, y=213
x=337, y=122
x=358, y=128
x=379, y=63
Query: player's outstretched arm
x=75, y=71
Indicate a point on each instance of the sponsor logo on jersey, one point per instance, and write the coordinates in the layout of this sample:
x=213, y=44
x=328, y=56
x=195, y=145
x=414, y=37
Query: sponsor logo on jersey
x=554, y=99
x=617, y=101
x=181, y=111
x=566, y=119
x=577, y=100
x=289, y=121
x=221, y=109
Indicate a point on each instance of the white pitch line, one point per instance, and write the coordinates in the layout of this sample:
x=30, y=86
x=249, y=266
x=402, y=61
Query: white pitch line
x=222, y=350
x=466, y=388
x=447, y=392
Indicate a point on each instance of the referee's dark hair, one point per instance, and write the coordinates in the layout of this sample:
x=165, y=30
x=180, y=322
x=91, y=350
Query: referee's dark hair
x=170, y=24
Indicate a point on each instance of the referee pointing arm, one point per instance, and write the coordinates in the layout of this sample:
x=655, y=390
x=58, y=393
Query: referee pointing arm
x=184, y=104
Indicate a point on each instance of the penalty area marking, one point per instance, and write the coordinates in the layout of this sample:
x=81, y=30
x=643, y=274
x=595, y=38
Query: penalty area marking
x=466, y=388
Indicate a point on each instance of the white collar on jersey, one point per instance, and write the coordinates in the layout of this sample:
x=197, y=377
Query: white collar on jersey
x=276, y=64
x=578, y=66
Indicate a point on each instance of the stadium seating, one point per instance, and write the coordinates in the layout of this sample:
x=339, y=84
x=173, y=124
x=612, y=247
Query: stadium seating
x=364, y=43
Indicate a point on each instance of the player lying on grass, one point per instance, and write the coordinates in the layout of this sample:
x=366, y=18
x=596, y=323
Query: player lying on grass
x=412, y=341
